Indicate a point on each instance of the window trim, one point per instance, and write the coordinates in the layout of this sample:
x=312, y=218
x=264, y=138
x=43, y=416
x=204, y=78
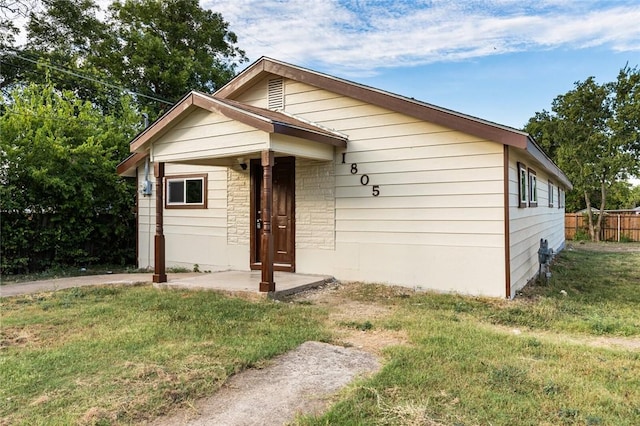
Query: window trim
x=523, y=193
x=533, y=188
x=551, y=193
x=203, y=177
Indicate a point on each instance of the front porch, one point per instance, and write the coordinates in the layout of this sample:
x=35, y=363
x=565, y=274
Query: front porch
x=245, y=282
x=203, y=131
x=226, y=281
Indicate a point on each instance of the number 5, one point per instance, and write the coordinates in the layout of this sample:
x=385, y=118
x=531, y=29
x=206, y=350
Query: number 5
x=376, y=190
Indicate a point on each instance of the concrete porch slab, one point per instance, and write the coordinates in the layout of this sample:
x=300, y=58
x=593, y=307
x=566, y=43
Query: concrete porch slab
x=229, y=281
x=246, y=282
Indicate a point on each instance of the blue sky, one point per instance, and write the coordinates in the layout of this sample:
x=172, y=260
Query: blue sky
x=500, y=60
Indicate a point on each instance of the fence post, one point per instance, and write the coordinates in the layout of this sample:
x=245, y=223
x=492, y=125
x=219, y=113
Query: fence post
x=618, y=227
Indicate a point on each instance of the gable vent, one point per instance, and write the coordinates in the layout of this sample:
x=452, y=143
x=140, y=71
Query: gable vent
x=276, y=94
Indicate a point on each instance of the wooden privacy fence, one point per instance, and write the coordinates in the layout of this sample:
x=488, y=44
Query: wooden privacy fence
x=615, y=226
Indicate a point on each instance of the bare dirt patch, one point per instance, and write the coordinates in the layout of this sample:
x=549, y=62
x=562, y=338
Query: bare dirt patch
x=350, y=319
x=17, y=337
x=605, y=246
x=627, y=343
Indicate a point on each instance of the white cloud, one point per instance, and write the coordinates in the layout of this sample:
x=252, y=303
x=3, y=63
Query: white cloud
x=362, y=36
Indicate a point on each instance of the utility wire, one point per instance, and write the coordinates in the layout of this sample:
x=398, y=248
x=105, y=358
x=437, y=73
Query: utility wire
x=75, y=74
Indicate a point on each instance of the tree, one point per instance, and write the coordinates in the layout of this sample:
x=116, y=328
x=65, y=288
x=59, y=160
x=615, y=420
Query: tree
x=164, y=49
x=157, y=49
x=593, y=134
x=60, y=199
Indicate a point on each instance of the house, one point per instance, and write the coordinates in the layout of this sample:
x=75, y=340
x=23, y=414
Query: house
x=285, y=168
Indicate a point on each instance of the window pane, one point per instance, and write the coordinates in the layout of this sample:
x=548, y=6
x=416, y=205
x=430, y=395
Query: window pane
x=194, y=191
x=523, y=185
x=176, y=191
x=534, y=188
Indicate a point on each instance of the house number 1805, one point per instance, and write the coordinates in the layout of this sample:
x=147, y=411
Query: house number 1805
x=364, y=179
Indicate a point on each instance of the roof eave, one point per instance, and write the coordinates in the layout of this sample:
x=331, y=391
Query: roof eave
x=126, y=168
x=537, y=153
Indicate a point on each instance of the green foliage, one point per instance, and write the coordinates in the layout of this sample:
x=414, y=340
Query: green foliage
x=158, y=49
x=458, y=369
x=165, y=49
x=60, y=199
x=593, y=134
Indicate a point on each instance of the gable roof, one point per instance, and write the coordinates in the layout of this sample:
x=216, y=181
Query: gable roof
x=409, y=106
x=259, y=118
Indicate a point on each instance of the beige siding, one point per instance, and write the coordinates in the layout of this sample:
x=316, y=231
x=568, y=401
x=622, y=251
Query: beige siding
x=438, y=222
x=528, y=225
x=194, y=138
x=287, y=145
x=192, y=236
x=440, y=201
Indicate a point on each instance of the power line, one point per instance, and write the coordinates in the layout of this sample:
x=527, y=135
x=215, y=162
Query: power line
x=75, y=74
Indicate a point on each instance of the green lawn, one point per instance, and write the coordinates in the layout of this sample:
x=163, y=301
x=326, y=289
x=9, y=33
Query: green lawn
x=122, y=355
x=475, y=361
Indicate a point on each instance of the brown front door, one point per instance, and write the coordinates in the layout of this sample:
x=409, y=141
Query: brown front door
x=283, y=219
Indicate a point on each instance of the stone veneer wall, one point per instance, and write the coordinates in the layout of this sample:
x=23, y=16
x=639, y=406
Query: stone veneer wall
x=315, y=204
x=238, y=207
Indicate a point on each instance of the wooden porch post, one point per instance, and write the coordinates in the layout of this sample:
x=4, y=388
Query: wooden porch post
x=266, y=241
x=159, y=271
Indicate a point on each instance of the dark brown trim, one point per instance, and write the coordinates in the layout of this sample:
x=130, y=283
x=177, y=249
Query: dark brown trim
x=532, y=174
x=205, y=183
x=160, y=125
x=537, y=153
x=297, y=132
x=123, y=169
x=507, y=224
x=520, y=168
x=159, y=269
x=137, y=216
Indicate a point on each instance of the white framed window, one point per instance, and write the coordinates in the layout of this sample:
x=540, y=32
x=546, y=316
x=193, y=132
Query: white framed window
x=533, y=189
x=551, y=194
x=186, y=192
x=523, y=192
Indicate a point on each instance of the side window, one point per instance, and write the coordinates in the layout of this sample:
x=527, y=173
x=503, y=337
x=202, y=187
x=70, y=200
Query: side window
x=186, y=192
x=522, y=186
x=533, y=189
x=551, y=194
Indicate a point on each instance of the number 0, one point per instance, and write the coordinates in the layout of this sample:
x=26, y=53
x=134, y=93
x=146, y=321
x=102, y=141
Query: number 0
x=364, y=180
x=375, y=190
